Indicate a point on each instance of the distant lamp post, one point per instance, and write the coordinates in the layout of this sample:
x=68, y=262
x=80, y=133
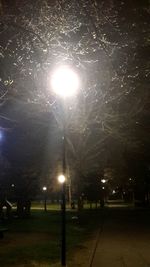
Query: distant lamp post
x=44, y=188
x=61, y=178
x=45, y=197
x=103, y=192
x=103, y=181
x=65, y=83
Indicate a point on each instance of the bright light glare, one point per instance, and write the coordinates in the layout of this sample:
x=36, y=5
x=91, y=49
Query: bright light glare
x=65, y=81
x=103, y=181
x=61, y=179
x=44, y=188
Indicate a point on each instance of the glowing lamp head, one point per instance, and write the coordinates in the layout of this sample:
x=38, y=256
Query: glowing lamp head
x=103, y=181
x=61, y=179
x=44, y=188
x=64, y=81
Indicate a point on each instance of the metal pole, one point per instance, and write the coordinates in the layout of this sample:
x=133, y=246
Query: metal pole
x=70, y=196
x=45, y=200
x=63, y=245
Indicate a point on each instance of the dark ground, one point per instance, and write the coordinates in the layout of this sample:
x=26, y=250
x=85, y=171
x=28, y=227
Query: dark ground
x=124, y=239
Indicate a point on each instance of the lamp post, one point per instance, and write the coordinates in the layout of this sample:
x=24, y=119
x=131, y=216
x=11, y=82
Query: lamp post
x=45, y=197
x=65, y=83
x=62, y=181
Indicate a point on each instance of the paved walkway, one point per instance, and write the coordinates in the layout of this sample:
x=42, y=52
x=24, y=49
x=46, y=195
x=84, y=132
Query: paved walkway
x=124, y=239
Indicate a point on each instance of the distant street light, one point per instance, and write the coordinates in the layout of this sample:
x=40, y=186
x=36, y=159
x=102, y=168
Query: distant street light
x=45, y=197
x=44, y=188
x=61, y=179
x=65, y=83
x=103, y=181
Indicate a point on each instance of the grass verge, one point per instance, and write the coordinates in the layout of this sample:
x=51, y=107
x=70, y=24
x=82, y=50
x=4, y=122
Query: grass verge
x=35, y=242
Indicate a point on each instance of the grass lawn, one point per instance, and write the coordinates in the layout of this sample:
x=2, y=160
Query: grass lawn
x=35, y=242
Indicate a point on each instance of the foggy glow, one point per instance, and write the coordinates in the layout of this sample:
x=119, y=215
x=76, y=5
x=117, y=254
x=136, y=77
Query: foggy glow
x=65, y=81
x=61, y=179
x=103, y=181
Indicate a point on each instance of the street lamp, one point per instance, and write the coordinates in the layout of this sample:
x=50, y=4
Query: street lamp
x=64, y=83
x=103, y=181
x=45, y=197
x=61, y=178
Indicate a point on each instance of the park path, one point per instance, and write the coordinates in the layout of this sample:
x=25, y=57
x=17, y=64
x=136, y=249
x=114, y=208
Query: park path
x=123, y=239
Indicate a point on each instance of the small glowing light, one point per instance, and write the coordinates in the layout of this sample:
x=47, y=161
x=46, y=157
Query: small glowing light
x=61, y=179
x=12, y=185
x=103, y=181
x=65, y=81
x=113, y=192
x=44, y=188
x=103, y=187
